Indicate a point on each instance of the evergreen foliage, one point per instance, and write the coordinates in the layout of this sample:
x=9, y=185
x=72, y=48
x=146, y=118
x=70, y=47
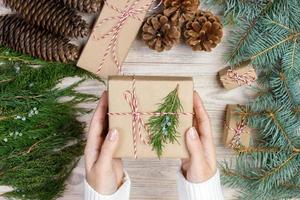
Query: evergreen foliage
x=163, y=128
x=40, y=138
x=267, y=32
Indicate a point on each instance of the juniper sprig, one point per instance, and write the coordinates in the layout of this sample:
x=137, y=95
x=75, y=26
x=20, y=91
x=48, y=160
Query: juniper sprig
x=41, y=139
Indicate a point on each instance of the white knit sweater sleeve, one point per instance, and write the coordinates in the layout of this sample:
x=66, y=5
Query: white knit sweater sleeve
x=122, y=193
x=208, y=190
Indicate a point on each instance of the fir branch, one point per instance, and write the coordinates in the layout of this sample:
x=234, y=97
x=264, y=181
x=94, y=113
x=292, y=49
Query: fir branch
x=278, y=168
x=248, y=30
x=291, y=59
x=263, y=38
x=240, y=9
x=264, y=173
x=281, y=130
x=251, y=150
x=231, y=173
x=286, y=96
x=279, y=24
x=270, y=39
x=163, y=128
x=293, y=54
x=269, y=48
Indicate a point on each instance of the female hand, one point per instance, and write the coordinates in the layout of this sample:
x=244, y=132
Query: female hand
x=103, y=173
x=201, y=165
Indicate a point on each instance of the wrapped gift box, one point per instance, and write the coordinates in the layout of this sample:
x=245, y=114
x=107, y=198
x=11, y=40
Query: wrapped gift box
x=149, y=93
x=112, y=36
x=243, y=74
x=236, y=132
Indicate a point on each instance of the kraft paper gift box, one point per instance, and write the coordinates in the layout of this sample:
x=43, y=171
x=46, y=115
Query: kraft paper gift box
x=236, y=132
x=150, y=92
x=243, y=74
x=112, y=36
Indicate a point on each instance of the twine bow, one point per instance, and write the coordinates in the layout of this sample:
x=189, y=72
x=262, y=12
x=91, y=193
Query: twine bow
x=240, y=79
x=238, y=131
x=130, y=11
x=137, y=120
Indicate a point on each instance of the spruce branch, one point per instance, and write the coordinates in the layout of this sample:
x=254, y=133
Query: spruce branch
x=250, y=27
x=285, y=191
x=252, y=150
x=274, y=161
x=293, y=36
x=163, y=128
x=279, y=24
x=265, y=36
x=270, y=40
x=293, y=53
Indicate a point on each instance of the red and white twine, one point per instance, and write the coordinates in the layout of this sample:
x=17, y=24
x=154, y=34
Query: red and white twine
x=137, y=121
x=238, y=131
x=130, y=11
x=240, y=79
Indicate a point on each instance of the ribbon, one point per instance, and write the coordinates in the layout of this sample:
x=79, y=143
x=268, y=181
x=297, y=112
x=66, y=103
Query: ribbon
x=240, y=79
x=137, y=121
x=130, y=12
x=238, y=131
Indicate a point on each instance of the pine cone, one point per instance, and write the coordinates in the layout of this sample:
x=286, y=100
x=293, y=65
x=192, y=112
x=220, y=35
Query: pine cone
x=203, y=32
x=159, y=34
x=179, y=11
x=15, y=33
x=50, y=15
x=88, y=6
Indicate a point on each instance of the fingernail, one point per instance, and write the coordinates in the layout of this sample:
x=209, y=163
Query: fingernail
x=192, y=133
x=113, y=135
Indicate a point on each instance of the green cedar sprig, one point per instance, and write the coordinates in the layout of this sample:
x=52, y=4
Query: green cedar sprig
x=163, y=128
x=41, y=139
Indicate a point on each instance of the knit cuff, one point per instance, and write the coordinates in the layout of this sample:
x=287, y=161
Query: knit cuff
x=208, y=190
x=122, y=193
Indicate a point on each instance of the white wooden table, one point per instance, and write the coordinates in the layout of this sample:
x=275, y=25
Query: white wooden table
x=154, y=179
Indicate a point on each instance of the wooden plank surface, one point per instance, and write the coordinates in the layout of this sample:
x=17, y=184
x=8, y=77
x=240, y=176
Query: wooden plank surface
x=154, y=179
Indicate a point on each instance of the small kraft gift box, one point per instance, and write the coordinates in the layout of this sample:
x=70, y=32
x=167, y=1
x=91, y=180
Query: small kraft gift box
x=236, y=132
x=112, y=36
x=152, y=115
x=233, y=77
